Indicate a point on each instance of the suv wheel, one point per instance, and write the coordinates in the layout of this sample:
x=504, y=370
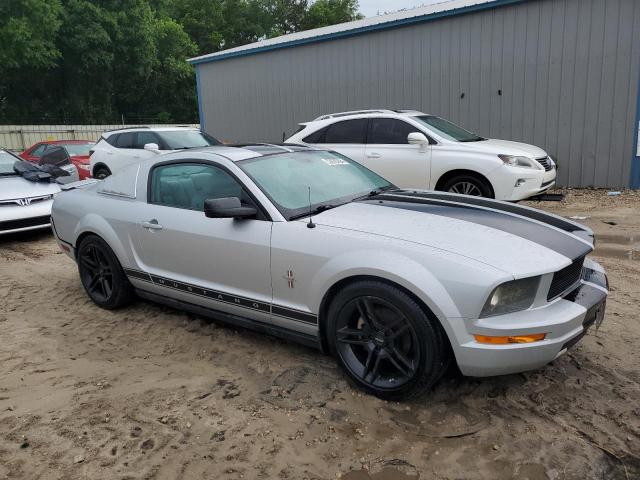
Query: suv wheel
x=101, y=173
x=468, y=185
x=385, y=341
x=101, y=274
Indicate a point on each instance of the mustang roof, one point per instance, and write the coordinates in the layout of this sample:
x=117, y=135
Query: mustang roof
x=380, y=22
x=252, y=150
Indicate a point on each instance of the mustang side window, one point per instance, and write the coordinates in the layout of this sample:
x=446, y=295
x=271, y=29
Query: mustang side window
x=188, y=185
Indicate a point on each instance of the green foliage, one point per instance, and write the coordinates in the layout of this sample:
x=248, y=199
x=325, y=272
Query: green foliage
x=330, y=12
x=94, y=60
x=27, y=30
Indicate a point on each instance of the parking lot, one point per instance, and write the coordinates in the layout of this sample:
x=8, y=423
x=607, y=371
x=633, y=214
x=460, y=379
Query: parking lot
x=149, y=392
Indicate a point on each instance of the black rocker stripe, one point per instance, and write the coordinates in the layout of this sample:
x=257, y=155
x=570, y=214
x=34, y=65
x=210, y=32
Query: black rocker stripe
x=294, y=314
x=224, y=297
x=502, y=206
x=548, y=237
x=137, y=274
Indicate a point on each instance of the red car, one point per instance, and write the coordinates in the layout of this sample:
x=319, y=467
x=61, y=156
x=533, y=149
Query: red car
x=79, y=151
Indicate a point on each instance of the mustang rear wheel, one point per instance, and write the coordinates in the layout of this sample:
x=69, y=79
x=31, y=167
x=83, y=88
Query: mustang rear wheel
x=101, y=274
x=385, y=341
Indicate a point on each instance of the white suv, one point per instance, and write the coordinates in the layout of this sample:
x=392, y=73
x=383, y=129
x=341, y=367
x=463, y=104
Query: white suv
x=117, y=149
x=416, y=150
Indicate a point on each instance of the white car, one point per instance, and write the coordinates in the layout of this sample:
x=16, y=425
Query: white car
x=312, y=246
x=24, y=204
x=118, y=149
x=416, y=150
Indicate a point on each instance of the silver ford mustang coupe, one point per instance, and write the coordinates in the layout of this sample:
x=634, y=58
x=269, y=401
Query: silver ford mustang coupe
x=309, y=245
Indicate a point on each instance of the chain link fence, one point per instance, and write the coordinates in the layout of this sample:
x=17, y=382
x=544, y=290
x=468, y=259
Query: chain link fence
x=20, y=137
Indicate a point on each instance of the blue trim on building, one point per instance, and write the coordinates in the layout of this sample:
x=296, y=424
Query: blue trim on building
x=362, y=30
x=634, y=181
x=199, y=95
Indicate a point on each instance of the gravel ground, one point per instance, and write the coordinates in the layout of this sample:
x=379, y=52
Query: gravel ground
x=149, y=392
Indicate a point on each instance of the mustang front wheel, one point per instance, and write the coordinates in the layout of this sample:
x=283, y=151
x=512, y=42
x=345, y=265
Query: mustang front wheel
x=101, y=274
x=385, y=341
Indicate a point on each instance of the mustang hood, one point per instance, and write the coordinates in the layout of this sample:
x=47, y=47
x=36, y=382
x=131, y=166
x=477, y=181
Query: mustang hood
x=519, y=240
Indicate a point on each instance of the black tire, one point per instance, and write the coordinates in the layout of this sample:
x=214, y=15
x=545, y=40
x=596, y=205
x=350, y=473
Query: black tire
x=412, y=353
x=468, y=185
x=101, y=173
x=101, y=274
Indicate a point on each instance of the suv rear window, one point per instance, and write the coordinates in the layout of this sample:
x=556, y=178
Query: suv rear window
x=126, y=140
x=349, y=131
x=111, y=139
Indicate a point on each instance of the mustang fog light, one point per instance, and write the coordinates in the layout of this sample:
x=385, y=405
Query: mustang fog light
x=511, y=296
x=519, y=182
x=534, y=337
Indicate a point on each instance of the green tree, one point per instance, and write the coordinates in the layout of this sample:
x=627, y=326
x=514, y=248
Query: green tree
x=170, y=95
x=330, y=12
x=27, y=32
x=284, y=16
x=92, y=60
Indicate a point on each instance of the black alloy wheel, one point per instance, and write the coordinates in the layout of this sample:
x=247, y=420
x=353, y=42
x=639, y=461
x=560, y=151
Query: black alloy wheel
x=101, y=274
x=385, y=341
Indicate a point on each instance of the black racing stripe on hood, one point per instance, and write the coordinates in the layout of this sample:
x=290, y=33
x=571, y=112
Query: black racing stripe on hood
x=560, y=242
x=496, y=205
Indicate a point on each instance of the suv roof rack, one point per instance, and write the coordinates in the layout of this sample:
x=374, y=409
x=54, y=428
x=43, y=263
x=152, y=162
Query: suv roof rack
x=408, y=111
x=126, y=128
x=354, y=112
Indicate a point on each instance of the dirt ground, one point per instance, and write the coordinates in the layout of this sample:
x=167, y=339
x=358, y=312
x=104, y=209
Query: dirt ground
x=149, y=392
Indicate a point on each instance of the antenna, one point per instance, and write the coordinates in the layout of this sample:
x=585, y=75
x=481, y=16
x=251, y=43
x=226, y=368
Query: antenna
x=310, y=224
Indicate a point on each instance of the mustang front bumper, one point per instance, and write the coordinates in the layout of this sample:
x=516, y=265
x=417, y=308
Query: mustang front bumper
x=564, y=321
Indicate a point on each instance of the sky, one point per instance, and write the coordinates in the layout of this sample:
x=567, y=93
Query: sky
x=371, y=7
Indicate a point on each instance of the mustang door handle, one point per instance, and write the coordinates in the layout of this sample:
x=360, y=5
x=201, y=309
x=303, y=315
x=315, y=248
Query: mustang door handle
x=152, y=225
x=373, y=155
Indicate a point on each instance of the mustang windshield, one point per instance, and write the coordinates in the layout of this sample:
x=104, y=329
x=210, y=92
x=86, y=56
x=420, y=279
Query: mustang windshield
x=6, y=163
x=448, y=130
x=333, y=179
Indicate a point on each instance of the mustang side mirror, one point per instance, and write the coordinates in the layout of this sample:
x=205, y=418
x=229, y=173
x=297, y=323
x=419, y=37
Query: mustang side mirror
x=153, y=147
x=229, y=207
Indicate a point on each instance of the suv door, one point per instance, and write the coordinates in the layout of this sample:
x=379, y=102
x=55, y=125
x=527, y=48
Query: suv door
x=346, y=137
x=219, y=263
x=143, y=138
x=389, y=154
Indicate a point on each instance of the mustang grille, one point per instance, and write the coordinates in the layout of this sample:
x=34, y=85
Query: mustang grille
x=25, y=223
x=544, y=161
x=566, y=278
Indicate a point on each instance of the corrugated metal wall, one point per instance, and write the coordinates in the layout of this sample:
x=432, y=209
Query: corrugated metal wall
x=561, y=74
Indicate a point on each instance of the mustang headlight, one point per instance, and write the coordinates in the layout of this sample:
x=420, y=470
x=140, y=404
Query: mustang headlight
x=511, y=296
x=521, y=162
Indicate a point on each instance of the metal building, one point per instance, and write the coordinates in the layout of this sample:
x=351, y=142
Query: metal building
x=561, y=74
